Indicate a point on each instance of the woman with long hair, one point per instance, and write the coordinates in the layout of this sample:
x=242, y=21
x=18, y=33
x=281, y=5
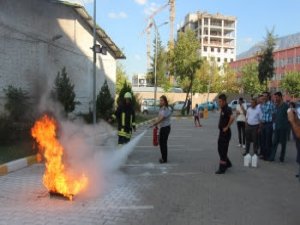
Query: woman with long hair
x=164, y=122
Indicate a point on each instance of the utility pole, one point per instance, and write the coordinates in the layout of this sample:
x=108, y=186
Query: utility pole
x=94, y=66
x=155, y=59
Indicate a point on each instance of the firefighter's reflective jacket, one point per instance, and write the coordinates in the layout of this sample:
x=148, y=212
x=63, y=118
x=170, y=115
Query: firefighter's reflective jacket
x=125, y=117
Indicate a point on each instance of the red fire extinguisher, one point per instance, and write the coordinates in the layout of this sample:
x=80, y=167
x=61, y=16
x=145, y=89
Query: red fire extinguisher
x=155, y=136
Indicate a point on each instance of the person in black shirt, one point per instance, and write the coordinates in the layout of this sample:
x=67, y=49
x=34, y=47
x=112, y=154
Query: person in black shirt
x=188, y=106
x=226, y=119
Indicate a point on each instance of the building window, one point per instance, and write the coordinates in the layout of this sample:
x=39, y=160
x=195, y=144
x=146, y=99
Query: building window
x=225, y=60
x=212, y=49
x=206, y=21
x=278, y=77
x=219, y=59
x=205, y=48
x=231, y=60
x=219, y=49
x=225, y=50
x=290, y=60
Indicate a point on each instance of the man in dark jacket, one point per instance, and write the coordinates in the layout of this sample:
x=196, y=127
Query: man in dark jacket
x=125, y=116
x=226, y=119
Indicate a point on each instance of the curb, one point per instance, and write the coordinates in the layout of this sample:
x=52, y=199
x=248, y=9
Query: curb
x=17, y=164
x=30, y=160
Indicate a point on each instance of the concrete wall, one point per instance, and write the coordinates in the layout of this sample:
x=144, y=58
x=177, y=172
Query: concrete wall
x=173, y=97
x=30, y=57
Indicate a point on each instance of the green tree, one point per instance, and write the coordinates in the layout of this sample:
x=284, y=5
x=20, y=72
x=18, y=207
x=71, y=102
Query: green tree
x=229, y=80
x=291, y=83
x=202, y=78
x=266, y=59
x=105, y=102
x=63, y=91
x=186, y=59
x=161, y=66
x=17, y=103
x=249, y=79
x=121, y=78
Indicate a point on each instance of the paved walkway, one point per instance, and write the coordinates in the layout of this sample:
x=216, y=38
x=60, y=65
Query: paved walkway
x=183, y=192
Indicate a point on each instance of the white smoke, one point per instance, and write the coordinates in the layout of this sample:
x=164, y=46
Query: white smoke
x=91, y=150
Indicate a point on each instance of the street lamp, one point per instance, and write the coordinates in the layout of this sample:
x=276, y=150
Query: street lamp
x=96, y=49
x=155, y=59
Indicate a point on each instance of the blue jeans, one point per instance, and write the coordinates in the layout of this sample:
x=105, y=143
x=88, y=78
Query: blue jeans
x=266, y=140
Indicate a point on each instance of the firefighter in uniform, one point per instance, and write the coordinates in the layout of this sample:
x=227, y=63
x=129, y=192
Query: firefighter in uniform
x=226, y=119
x=125, y=117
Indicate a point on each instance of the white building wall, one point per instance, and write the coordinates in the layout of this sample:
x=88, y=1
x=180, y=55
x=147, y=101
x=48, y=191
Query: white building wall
x=30, y=58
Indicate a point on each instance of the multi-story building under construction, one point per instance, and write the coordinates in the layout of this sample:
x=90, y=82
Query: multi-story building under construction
x=216, y=34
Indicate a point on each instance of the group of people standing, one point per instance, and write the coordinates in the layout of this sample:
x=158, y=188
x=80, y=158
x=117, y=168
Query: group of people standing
x=264, y=124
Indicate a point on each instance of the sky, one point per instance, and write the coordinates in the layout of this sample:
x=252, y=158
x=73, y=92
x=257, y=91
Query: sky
x=125, y=20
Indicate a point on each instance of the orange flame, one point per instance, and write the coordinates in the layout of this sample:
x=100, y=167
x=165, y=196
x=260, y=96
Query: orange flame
x=56, y=178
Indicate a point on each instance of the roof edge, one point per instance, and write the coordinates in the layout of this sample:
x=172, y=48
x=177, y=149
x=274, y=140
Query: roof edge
x=100, y=32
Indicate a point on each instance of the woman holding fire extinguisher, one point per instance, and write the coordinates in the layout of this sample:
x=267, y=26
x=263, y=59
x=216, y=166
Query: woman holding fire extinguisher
x=164, y=122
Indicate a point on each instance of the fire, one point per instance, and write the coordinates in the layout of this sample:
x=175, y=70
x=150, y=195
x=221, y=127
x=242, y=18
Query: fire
x=56, y=178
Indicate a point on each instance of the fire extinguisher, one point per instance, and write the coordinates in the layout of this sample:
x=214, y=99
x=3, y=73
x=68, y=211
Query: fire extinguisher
x=155, y=136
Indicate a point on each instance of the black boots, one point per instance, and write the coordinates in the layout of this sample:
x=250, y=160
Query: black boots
x=222, y=169
x=228, y=163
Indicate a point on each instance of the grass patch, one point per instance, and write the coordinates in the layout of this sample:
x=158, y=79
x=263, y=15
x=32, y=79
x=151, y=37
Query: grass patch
x=16, y=151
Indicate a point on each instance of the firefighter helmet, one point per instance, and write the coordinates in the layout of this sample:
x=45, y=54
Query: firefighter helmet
x=128, y=95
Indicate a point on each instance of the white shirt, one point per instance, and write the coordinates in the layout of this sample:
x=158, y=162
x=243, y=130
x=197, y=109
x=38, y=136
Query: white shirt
x=254, y=115
x=298, y=112
x=165, y=112
x=241, y=117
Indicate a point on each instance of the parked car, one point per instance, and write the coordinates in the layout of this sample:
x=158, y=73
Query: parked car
x=148, y=107
x=209, y=105
x=234, y=103
x=177, y=106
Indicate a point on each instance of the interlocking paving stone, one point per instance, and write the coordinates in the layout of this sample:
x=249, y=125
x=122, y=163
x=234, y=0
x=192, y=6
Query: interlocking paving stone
x=185, y=191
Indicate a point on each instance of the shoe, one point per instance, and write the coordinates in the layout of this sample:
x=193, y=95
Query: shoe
x=281, y=160
x=297, y=175
x=229, y=164
x=244, y=146
x=162, y=161
x=221, y=170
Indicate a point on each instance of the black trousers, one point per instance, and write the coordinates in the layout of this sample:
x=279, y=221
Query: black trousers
x=163, y=142
x=223, y=144
x=241, y=129
x=252, y=136
x=280, y=136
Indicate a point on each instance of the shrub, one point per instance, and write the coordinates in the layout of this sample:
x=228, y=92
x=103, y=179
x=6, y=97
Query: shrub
x=17, y=103
x=105, y=102
x=63, y=91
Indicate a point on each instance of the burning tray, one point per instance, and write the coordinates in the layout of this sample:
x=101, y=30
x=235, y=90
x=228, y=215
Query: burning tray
x=60, y=196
